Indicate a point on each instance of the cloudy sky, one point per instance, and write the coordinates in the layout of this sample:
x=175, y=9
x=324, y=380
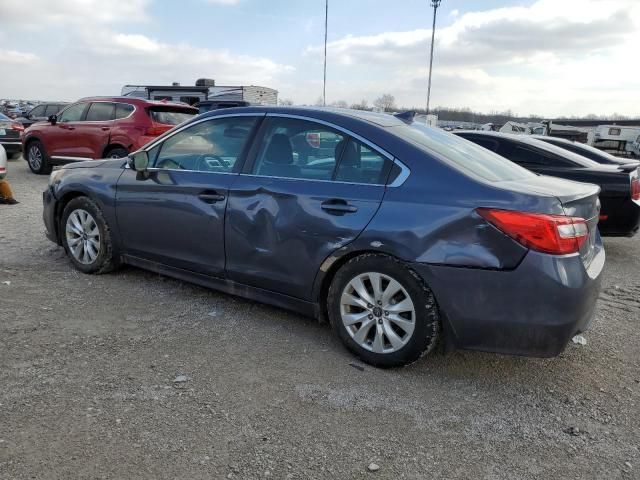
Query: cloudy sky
x=549, y=57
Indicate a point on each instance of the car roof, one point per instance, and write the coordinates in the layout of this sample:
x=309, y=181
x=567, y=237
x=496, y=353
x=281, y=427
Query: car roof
x=135, y=101
x=540, y=144
x=379, y=119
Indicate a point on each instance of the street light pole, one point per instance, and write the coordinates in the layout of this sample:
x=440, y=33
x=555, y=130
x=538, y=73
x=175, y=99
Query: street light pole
x=324, y=85
x=435, y=4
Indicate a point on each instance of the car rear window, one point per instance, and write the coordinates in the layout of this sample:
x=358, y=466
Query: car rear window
x=170, y=115
x=460, y=153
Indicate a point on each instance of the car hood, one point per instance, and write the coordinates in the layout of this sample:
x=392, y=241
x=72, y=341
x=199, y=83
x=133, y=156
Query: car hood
x=116, y=163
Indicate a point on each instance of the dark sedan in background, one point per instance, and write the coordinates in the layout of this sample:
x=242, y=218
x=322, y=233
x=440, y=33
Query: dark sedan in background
x=586, y=151
x=11, y=135
x=402, y=235
x=620, y=187
x=41, y=113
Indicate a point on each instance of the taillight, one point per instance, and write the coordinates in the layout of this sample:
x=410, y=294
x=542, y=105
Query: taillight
x=313, y=139
x=635, y=188
x=555, y=234
x=157, y=129
x=17, y=126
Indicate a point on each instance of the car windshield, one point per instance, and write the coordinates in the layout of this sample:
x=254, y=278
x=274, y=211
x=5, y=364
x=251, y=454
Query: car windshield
x=170, y=115
x=4, y=117
x=460, y=153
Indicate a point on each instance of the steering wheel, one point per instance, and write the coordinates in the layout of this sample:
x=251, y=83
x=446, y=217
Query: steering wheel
x=210, y=161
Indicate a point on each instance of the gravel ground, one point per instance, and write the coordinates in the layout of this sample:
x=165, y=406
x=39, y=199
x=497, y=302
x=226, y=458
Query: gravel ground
x=88, y=367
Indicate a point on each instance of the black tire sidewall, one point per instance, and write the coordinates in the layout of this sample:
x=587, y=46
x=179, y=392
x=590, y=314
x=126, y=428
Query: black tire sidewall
x=117, y=149
x=426, y=332
x=105, y=256
x=45, y=167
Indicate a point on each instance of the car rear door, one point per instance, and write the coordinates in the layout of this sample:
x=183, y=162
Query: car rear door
x=174, y=213
x=93, y=134
x=290, y=208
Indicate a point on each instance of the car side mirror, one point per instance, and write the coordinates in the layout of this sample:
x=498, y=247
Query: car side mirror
x=138, y=161
x=53, y=119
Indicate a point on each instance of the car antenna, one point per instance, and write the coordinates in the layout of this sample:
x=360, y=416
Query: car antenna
x=406, y=117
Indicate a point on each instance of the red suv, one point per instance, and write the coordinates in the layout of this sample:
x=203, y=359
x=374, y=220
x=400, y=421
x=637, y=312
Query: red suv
x=101, y=127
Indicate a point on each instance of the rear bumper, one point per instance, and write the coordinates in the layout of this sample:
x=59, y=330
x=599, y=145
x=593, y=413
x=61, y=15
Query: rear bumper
x=533, y=310
x=12, y=146
x=49, y=215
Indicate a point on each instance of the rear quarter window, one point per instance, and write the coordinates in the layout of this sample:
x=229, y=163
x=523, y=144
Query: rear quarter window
x=169, y=115
x=460, y=153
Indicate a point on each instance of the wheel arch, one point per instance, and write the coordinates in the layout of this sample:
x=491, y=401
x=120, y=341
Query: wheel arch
x=111, y=146
x=61, y=205
x=333, y=263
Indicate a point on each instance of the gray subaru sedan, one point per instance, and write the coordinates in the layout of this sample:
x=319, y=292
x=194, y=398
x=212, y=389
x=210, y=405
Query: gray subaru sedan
x=401, y=235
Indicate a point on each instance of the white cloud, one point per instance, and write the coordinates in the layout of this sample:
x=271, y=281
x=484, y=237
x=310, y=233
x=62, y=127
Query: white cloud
x=225, y=2
x=568, y=57
x=14, y=57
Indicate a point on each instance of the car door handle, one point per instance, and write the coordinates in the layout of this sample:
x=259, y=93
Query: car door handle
x=105, y=128
x=211, y=197
x=338, y=206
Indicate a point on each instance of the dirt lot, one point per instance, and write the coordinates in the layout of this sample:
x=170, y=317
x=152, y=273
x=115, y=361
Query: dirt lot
x=88, y=363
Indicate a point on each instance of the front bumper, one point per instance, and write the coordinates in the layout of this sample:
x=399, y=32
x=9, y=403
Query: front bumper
x=533, y=310
x=49, y=215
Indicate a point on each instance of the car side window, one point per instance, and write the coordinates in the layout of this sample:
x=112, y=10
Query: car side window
x=210, y=146
x=38, y=111
x=525, y=156
x=73, y=113
x=360, y=164
x=294, y=148
x=51, y=110
x=486, y=143
x=100, y=112
x=123, y=110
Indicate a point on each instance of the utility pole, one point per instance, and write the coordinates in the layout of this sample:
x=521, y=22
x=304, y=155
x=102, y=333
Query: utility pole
x=435, y=4
x=324, y=85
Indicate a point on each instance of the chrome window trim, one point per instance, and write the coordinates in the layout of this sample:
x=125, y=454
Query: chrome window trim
x=114, y=112
x=313, y=180
x=402, y=176
x=154, y=169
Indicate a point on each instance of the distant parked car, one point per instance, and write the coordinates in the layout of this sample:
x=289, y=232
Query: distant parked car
x=403, y=236
x=620, y=194
x=10, y=135
x=586, y=151
x=100, y=127
x=41, y=113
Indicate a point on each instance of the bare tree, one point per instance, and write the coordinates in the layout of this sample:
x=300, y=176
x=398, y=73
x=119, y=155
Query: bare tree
x=319, y=102
x=340, y=104
x=286, y=102
x=386, y=102
x=363, y=105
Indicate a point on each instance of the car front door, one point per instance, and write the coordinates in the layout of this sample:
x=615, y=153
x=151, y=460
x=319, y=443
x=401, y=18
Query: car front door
x=95, y=131
x=174, y=213
x=61, y=139
x=293, y=206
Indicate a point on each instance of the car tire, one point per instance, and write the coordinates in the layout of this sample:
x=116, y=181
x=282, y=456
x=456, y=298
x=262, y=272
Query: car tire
x=400, y=319
x=117, y=152
x=37, y=159
x=86, y=237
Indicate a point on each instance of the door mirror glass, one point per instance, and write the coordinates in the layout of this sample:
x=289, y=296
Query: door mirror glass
x=139, y=161
x=53, y=119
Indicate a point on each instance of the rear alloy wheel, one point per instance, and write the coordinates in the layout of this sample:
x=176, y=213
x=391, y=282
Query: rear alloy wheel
x=86, y=237
x=37, y=158
x=382, y=311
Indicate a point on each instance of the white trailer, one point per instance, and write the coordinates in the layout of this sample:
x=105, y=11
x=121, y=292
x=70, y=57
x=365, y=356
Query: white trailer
x=615, y=137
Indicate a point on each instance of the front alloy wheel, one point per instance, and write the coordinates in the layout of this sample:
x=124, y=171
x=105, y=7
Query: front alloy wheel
x=83, y=236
